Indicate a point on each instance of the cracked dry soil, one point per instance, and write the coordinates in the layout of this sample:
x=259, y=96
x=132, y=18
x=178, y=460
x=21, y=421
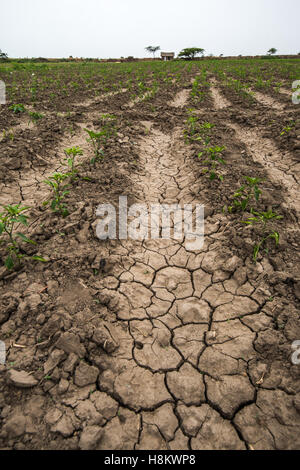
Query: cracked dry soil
x=166, y=348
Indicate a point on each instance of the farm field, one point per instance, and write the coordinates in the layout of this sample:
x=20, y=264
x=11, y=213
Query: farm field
x=136, y=345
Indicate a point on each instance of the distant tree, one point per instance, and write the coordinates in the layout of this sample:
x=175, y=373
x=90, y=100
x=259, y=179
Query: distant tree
x=3, y=55
x=152, y=49
x=191, y=52
x=272, y=51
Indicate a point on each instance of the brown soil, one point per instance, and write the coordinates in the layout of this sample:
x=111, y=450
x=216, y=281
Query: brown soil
x=145, y=344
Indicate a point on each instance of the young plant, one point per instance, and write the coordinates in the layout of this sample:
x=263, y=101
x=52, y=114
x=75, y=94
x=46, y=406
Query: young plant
x=196, y=93
x=263, y=218
x=195, y=131
x=10, y=218
x=213, y=160
x=287, y=129
x=96, y=139
x=108, y=123
x=8, y=135
x=191, y=126
x=34, y=116
x=17, y=108
x=99, y=139
x=245, y=194
x=205, y=127
x=71, y=154
x=60, y=190
x=257, y=246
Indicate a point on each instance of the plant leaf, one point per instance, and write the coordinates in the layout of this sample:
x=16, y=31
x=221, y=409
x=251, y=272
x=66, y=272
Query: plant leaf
x=9, y=263
x=39, y=258
x=255, y=252
x=25, y=239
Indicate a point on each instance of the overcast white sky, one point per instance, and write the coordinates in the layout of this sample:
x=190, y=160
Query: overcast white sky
x=115, y=28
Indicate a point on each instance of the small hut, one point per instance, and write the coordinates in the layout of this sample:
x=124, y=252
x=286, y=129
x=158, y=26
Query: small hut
x=167, y=55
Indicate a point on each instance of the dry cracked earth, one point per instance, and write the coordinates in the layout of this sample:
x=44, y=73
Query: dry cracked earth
x=168, y=348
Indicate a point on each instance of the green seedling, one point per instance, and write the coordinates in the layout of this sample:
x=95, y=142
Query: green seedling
x=60, y=191
x=263, y=218
x=287, y=129
x=71, y=154
x=96, y=139
x=192, y=127
x=273, y=235
x=248, y=192
x=243, y=89
x=107, y=122
x=196, y=92
x=17, y=108
x=213, y=158
x=205, y=127
x=195, y=131
x=10, y=218
x=34, y=116
x=47, y=377
x=277, y=86
x=99, y=139
x=8, y=134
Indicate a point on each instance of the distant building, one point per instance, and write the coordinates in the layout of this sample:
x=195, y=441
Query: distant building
x=167, y=55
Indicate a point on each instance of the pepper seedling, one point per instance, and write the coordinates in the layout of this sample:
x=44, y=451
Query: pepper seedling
x=96, y=139
x=263, y=218
x=71, y=154
x=17, y=108
x=246, y=193
x=10, y=217
x=60, y=190
x=34, y=116
x=214, y=158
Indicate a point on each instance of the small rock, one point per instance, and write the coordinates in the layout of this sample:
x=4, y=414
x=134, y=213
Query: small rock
x=85, y=375
x=53, y=360
x=5, y=412
x=279, y=276
x=106, y=405
x=51, y=327
x=101, y=338
x=15, y=426
x=64, y=426
x=53, y=416
x=83, y=235
x=70, y=343
x=90, y=437
x=52, y=287
x=70, y=363
x=33, y=301
x=86, y=411
x=40, y=319
x=210, y=335
x=208, y=211
x=63, y=386
x=21, y=379
x=232, y=264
